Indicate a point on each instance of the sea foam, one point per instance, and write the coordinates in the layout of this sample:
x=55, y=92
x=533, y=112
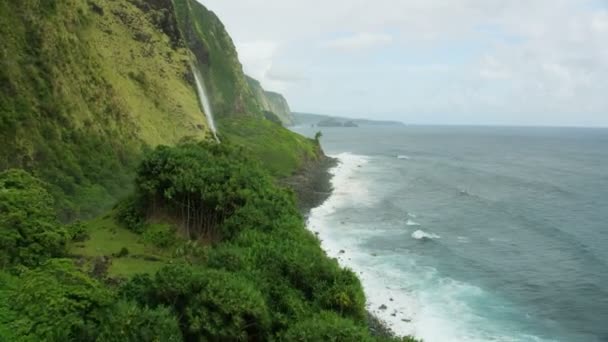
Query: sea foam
x=418, y=301
x=411, y=222
x=422, y=235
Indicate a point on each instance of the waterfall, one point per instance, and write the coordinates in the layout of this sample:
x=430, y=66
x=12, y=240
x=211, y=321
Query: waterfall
x=204, y=100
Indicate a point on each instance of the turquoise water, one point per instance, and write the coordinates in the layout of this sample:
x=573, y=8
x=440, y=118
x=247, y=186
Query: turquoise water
x=474, y=234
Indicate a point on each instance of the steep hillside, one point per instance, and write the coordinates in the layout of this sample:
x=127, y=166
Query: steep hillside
x=98, y=109
x=86, y=84
x=217, y=59
x=271, y=102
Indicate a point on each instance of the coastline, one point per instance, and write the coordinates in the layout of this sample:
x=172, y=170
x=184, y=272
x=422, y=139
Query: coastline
x=314, y=186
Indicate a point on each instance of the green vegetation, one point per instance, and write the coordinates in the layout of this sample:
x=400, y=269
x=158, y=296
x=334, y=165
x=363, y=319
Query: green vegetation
x=271, y=102
x=29, y=230
x=250, y=272
x=217, y=59
x=280, y=151
x=98, y=113
x=81, y=91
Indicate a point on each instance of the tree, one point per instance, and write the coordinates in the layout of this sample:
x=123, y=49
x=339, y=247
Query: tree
x=327, y=327
x=212, y=305
x=128, y=322
x=29, y=230
x=57, y=302
x=318, y=137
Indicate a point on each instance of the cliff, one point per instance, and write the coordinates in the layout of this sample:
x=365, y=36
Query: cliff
x=193, y=240
x=87, y=85
x=272, y=102
x=90, y=78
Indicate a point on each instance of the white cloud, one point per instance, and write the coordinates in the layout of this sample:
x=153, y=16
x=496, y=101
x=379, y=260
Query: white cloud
x=517, y=61
x=257, y=56
x=283, y=74
x=360, y=41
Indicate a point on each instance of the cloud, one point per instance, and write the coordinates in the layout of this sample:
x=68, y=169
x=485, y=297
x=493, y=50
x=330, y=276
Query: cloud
x=359, y=41
x=283, y=74
x=257, y=56
x=492, y=69
x=477, y=61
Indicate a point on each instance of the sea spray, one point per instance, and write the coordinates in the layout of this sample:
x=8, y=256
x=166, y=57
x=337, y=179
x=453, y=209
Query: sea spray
x=204, y=100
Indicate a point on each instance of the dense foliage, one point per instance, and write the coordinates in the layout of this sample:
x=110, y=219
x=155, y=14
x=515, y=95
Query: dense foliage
x=74, y=110
x=216, y=56
x=29, y=230
x=207, y=247
x=263, y=277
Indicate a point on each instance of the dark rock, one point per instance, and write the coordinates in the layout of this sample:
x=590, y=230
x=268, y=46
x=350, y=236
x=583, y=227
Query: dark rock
x=312, y=184
x=378, y=328
x=391, y=300
x=96, y=8
x=342, y=251
x=406, y=320
x=100, y=267
x=383, y=307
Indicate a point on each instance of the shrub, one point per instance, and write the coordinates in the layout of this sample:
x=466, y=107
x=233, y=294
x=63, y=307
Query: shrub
x=128, y=322
x=29, y=230
x=123, y=252
x=160, y=235
x=57, y=302
x=213, y=305
x=327, y=327
x=77, y=232
x=130, y=214
x=344, y=295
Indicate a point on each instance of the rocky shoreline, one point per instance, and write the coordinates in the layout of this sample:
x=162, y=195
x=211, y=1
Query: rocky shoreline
x=312, y=186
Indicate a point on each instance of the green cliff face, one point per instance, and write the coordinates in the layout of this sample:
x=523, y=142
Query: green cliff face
x=87, y=85
x=271, y=102
x=216, y=56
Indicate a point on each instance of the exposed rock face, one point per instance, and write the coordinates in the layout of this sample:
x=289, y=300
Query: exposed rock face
x=271, y=102
x=216, y=56
x=278, y=105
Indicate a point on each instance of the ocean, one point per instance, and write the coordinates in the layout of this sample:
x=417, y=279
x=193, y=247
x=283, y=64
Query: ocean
x=473, y=233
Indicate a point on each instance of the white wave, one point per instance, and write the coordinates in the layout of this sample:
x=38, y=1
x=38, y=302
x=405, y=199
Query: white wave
x=421, y=234
x=418, y=300
x=411, y=223
x=463, y=239
x=404, y=157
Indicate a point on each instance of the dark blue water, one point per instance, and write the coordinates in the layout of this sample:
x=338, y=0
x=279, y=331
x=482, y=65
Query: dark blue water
x=477, y=234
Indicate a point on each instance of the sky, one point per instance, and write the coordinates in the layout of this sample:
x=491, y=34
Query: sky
x=487, y=62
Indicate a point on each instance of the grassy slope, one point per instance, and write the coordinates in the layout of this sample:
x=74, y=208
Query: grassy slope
x=280, y=151
x=151, y=76
x=237, y=110
x=107, y=238
x=85, y=85
x=82, y=91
